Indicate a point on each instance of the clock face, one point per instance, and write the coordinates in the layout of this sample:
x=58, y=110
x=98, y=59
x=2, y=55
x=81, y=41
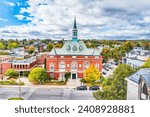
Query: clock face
x=74, y=48
x=80, y=48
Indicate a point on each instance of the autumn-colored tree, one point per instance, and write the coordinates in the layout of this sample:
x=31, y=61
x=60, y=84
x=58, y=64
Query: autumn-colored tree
x=147, y=46
x=30, y=49
x=49, y=47
x=106, y=54
x=58, y=45
x=91, y=74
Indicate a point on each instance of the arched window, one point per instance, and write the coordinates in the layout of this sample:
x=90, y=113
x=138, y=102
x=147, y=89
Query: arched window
x=86, y=65
x=51, y=67
x=74, y=65
x=97, y=65
x=62, y=65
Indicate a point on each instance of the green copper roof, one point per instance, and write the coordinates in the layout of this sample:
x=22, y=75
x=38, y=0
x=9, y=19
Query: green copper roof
x=75, y=48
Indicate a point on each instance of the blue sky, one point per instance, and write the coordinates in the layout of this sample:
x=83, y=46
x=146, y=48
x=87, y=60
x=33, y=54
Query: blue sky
x=96, y=19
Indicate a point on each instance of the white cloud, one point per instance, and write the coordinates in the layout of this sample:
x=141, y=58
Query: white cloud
x=20, y=17
x=1, y=19
x=9, y=3
x=95, y=18
x=147, y=19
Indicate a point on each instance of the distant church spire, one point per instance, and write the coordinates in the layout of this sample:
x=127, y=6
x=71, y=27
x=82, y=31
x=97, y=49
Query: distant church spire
x=75, y=32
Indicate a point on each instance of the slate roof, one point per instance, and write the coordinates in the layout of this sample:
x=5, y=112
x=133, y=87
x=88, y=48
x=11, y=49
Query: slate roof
x=145, y=73
x=25, y=61
x=146, y=77
x=75, y=48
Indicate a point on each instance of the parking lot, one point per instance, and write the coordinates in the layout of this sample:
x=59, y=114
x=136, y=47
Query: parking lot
x=32, y=93
x=108, y=70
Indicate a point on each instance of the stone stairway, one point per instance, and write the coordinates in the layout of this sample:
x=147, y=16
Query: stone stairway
x=73, y=82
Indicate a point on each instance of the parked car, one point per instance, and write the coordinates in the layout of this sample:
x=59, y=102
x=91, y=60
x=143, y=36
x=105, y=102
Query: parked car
x=106, y=69
x=94, y=88
x=115, y=63
x=82, y=87
x=104, y=73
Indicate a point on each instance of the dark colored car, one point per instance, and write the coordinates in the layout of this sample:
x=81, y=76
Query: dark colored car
x=104, y=73
x=94, y=88
x=82, y=87
x=106, y=69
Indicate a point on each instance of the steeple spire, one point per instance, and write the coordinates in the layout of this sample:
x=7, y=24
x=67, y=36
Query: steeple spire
x=75, y=32
x=75, y=26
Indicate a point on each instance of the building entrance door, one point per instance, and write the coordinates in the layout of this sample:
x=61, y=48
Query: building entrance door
x=74, y=76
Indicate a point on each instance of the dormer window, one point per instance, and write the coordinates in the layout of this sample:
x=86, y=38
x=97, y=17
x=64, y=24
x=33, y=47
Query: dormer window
x=80, y=48
x=74, y=48
x=68, y=48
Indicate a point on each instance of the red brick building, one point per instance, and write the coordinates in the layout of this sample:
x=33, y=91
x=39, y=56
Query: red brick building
x=73, y=57
x=18, y=65
x=3, y=63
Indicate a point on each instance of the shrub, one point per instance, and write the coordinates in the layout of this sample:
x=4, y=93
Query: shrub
x=10, y=82
x=15, y=98
x=67, y=75
x=83, y=80
x=11, y=72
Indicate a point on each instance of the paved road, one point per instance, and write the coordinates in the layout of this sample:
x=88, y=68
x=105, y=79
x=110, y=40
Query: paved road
x=46, y=93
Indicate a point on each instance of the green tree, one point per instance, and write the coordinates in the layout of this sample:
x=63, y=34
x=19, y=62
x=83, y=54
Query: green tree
x=49, y=47
x=91, y=74
x=1, y=46
x=106, y=53
x=67, y=75
x=146, y=64
x=12, y=45
x=11, y=73
x=115, y=88
x=38, y=75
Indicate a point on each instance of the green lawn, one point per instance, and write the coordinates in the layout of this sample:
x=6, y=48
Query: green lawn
x=15, y=98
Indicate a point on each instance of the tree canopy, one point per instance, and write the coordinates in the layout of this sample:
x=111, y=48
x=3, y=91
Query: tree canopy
x=115, y=87
x=146, y=64
x=12, y=45
x=1, y=46
x=91, y=74
x=11, y=73
x=49, y=47
x=38, y=75
x=30, y=49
